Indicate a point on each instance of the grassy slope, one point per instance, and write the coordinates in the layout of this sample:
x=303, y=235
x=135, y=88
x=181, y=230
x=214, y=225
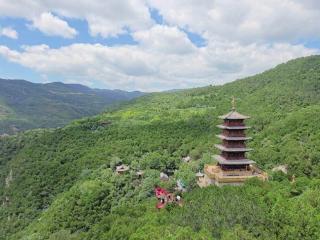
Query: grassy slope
x=154, y=132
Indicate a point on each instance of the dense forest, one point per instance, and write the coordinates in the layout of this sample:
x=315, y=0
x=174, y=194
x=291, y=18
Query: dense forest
x=61, y=184
x=25, y=105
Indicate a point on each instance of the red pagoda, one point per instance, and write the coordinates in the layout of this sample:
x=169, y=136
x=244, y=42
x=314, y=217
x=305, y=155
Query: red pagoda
x=232, y=166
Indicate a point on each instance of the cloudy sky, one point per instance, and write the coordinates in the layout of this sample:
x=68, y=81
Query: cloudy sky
x=152, y=45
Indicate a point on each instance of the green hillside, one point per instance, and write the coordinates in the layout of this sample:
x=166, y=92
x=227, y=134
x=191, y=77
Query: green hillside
x=4, y=111
x=25, y=105
x=60, y=184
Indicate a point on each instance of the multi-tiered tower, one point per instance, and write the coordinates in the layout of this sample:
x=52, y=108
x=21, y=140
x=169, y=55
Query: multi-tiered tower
x=233, y=148
x=232, y=166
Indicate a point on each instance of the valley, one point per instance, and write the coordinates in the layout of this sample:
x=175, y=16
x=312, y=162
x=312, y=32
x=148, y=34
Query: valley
x=25, y=105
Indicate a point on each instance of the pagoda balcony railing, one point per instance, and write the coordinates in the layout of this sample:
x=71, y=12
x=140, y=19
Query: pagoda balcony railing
x=233, y=124
x=229, y=149
x=217, y=173
x=251, y=170
x=233, y=138
x=237, y=172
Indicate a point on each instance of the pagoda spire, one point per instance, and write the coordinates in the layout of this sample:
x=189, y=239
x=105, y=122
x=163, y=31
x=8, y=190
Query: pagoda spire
x=233, y=103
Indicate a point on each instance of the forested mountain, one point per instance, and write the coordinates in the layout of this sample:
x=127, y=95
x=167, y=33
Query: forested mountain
x=25, y=105
x=61, y=184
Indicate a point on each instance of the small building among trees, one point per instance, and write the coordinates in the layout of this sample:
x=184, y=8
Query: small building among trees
x=122, y=169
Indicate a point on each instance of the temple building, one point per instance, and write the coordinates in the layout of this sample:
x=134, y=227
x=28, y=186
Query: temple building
x=232, y=167
x=122, y=169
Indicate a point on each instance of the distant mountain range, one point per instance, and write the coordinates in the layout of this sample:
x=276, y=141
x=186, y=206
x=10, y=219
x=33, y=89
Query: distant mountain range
x=25, y=105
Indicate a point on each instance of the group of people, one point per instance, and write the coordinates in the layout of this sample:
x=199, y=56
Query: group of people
x=164, y=197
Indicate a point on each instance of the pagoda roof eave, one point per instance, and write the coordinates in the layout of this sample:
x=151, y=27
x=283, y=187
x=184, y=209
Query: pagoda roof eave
x=234, y=115
x=226, y=149
x=224, y=161
x=233, y=138
x=233, y=127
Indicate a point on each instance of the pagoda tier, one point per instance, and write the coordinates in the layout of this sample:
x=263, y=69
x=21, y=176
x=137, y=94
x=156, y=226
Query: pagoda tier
x=222, y=160
x=230, y=138
x=228, y=148
x=233, y=127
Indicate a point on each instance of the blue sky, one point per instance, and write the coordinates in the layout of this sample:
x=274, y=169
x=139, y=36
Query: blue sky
x=28, y=36
x=152, y=45
x=31, y=36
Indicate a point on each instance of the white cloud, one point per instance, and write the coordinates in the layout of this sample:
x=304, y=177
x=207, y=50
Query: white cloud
x=243, y=38
x=53, y=26
x=165, y=39
x=246, y=21
x=9, y=32
x=113, y=17
x=134, y=67
x=105, y=18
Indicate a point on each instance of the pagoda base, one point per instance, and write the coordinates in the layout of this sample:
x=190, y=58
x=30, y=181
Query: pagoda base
x=214, y=175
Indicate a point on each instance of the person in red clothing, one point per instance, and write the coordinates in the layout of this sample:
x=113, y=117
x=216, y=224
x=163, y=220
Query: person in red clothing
x=161, y=195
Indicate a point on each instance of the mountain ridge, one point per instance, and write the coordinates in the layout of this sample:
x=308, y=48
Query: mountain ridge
x=36, y=105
